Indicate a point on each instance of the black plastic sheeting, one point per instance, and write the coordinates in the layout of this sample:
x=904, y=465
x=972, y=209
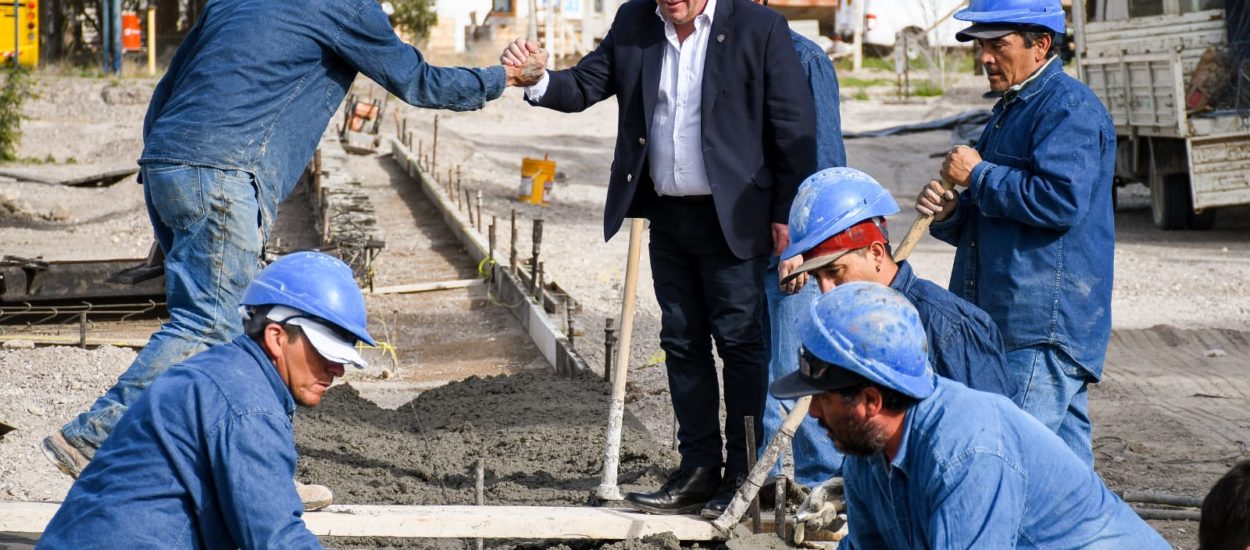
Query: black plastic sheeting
x=965, y=127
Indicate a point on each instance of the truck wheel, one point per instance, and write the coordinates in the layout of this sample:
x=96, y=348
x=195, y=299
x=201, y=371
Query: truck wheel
x=1169, y=201
x=1204, y=221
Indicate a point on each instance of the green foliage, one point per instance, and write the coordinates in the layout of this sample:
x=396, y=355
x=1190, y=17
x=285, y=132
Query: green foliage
x=856, y=82
x=14, y=91
x=860, y=95
x=925, y=88
x=414, y=17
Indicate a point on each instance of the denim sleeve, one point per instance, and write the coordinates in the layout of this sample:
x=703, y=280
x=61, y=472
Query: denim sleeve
x=822, y=78
x=253, y=458
x=789, y=123
x=588, y=82
x=367, y=42
x=970, y=351
x=1056, y=189
x=978, y=502
x=948, y=229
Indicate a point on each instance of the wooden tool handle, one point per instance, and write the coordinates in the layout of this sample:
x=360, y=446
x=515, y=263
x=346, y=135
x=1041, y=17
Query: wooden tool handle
x=616, y=410
x=917, y=231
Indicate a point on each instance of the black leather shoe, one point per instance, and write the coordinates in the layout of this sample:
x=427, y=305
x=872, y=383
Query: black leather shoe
x=685, y=492
x=728, y=488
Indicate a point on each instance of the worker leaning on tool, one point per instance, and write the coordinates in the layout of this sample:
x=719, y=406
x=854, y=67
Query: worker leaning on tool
x=931, y=463
x=1034, y=224
x=228, y=132
x=839, y=231
x=205, y=458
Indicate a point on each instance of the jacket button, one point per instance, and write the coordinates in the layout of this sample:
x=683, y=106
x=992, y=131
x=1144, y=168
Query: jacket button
x=642, y=141
x=629, y=177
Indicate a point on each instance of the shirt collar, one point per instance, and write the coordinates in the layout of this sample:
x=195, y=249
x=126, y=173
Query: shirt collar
x=701, y=21
x=904, y=278
x=270, y=372
x=1018, y=90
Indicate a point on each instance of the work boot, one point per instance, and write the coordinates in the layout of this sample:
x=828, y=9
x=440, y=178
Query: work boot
x=685, y=492
x=724, y=495
x=63, y=455
x=314, y=497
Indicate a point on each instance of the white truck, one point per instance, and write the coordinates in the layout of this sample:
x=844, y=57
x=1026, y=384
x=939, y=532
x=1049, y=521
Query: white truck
x=1139, y=57
x=886, y=20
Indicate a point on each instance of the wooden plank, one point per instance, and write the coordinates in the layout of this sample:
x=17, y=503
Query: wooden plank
x=426, y=287
x=510, y=522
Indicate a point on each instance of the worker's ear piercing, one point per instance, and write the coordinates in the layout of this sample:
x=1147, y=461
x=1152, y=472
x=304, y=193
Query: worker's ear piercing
x=878, y=269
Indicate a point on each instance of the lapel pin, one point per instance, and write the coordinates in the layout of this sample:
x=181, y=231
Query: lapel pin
x=720, y=38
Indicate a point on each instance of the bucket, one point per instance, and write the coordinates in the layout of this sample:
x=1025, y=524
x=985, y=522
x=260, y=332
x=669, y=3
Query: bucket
x=132, y=33
x=537, y=178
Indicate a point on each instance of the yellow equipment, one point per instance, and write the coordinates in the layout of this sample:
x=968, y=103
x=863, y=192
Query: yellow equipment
x=537, y=179
x=27, y=27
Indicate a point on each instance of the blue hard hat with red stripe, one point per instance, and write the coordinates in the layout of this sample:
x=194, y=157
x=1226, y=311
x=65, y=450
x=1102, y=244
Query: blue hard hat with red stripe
x=832, y=201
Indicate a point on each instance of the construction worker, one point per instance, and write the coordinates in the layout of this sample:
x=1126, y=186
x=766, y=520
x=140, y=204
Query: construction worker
x=1033, y=222
x=229, y=130
x=931, y=463
x=712, y=143
x=1225, y=520
x=786, y=303
x=205, y=457
x=840, y=235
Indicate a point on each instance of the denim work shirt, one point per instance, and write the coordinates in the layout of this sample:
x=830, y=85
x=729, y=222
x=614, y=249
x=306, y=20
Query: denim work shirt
x=975, y=471
x=964, y=344
x=823, y=81
x=204, y=459
x=1035, y=230
x=255, y=82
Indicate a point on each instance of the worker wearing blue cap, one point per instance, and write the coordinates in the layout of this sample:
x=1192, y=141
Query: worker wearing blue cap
x=931, y=463
x=205, y=458
x=1033, y=221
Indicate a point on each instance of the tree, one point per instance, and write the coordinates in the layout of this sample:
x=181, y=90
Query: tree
x=413, y=17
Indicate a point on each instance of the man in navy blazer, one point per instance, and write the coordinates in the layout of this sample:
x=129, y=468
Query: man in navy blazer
x=716, y=130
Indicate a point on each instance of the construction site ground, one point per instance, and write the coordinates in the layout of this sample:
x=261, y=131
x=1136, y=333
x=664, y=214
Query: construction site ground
x=1171, y=414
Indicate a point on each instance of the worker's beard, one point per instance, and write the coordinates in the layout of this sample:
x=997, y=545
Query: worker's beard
x=857, y=438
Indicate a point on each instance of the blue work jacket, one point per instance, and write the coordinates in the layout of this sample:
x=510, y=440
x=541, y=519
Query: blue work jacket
x=975, y=471
x=204, y=459
x=1035, y=230
x=822, y=78
x=255, y=82
x=964, y=344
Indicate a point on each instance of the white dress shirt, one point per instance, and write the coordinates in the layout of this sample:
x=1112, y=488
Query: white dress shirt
x=675, y=151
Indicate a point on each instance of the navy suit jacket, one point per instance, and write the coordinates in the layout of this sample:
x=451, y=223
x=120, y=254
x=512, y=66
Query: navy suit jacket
x=759, y=123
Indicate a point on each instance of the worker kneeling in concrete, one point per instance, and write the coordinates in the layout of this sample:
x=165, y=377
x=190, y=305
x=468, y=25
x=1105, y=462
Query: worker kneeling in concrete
x=931, y=463
x=204, y=459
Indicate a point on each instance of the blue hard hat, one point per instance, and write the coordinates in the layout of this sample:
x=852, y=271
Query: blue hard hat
x=867, y=329
x=830, y=202
x=316, y=284
x=1004, y=14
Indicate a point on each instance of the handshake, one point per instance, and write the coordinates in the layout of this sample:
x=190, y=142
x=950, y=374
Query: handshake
x=523, y=62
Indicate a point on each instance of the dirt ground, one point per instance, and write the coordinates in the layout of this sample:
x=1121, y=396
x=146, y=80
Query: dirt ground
x=1171, y=414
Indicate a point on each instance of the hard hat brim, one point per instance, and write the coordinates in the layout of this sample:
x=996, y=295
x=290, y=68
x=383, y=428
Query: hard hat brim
x=985, y=31
x=813, y=264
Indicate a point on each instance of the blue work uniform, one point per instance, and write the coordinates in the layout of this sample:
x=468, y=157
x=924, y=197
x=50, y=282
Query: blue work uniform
x=1035, y=238
x=974, y=471
x=229, y=130
x=204, y=459
x=815, y=458
x=964, y=344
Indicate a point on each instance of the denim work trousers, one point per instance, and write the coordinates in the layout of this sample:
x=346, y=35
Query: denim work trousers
x=1054, y=390
x=208, y=223
x=815, y=457
x=706, y=293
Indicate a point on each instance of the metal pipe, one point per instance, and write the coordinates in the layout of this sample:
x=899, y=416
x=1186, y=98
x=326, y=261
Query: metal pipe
x=537, y=242
x=1171, y=515
x=609, y=342
x=1148, y=497
x=568, y=318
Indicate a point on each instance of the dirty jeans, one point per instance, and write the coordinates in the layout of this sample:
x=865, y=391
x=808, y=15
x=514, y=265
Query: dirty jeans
x=815, y=458
x=208, y=223
x=1054, y=391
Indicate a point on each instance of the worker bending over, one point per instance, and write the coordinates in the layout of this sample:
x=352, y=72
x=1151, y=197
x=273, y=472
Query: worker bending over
x=931, y=463
x=204, y=459
x=1033, y=224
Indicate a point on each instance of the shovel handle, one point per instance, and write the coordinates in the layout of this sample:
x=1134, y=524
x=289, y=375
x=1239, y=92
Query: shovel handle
x=917, y=231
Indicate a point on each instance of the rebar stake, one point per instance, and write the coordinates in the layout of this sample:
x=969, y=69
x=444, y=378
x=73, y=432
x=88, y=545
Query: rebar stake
x=82, y=330
x=468, y=202
x=479, y=209
x=538, y=242
x=568, y=318
x=512, y=254
x=749, y=424
x=538, y=289
x=609, y=344
x=434, y=149
x=491, y=253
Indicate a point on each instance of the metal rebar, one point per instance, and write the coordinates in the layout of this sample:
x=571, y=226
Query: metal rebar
x=82, y=330
x=403, y=131
x=491, y=253
x=568, y=318
x=512, y=254
x=468, y=203
x=434, y=149
x=538, y=287
x=481, y=490
x=609, y=345
x=479, y=209
x=757, y=523
x=537, y=242
x=779, y=508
